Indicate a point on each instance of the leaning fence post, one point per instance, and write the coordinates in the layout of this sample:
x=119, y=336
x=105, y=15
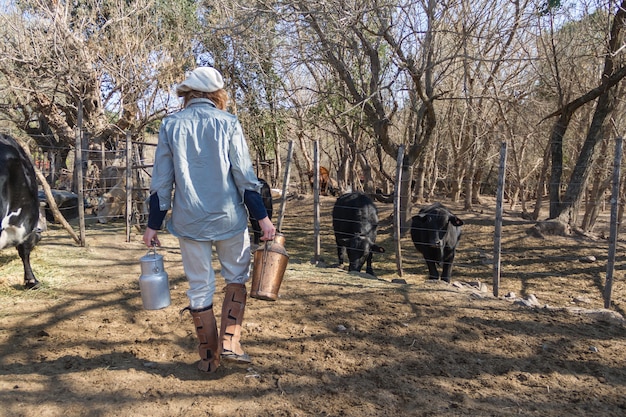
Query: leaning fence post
x=608, y=286
x=283, y=201
x=497, y=238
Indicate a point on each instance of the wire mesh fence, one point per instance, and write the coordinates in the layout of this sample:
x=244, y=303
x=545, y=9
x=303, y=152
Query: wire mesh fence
x=574, y=266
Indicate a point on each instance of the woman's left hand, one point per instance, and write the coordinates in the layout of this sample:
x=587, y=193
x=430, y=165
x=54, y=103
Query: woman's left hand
x=269, y=231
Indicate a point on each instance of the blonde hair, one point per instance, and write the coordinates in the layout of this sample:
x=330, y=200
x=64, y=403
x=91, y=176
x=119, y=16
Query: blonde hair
x=219, y=97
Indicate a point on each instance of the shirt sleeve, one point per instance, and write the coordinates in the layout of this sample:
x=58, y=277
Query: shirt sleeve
x=163, y=171
x=240, y=161
x=155, y=215
x=254, y=203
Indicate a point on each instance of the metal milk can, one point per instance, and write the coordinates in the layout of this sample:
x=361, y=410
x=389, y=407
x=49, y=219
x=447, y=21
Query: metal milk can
x=270, y=262
x=153, y=282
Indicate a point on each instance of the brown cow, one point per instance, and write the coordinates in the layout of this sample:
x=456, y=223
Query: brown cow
x=111, y=175
x=112, y=204
x=326, y=183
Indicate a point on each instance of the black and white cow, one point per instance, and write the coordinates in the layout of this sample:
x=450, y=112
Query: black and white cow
x=266, y=194
x=435, y=232
x=355, y=219
x=19, y=204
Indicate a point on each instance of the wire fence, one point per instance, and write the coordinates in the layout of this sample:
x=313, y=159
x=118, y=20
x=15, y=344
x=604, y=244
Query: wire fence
x=490, y=249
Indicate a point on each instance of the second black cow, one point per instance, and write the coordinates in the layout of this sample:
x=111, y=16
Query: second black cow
x=355, y=220
x=266, y=194
x=19, y=204
x=435, y=232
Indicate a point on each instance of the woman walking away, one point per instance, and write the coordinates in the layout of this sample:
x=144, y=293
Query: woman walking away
x=202, y=159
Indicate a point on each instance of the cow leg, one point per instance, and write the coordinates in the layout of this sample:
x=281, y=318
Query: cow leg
x=340, y=254
x=24, y=249
x=30, y=281
x=368, y=265
x=447, y=269
x=447, y=266
x=432, y=270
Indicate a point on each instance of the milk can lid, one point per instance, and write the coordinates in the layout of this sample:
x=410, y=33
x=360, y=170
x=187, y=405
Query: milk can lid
x=151, y=256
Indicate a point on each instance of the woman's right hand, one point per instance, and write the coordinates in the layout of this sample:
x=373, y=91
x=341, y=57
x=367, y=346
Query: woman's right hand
x=150, y=238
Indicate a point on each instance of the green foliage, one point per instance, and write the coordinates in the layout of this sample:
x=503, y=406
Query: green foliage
x=152, y=128
x=549, y=6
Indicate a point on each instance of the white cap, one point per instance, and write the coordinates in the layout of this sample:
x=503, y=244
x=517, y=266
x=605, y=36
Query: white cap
x=205, y=79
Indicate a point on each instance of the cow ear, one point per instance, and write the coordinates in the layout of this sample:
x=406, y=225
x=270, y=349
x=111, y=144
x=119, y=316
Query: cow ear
x=379, y=249
x=422, y=217
x=456, y=221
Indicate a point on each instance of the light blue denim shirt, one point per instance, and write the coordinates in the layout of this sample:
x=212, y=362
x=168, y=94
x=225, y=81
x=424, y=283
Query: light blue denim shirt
x=202, y=158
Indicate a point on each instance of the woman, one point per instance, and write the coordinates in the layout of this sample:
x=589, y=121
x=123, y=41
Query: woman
x=202, y=159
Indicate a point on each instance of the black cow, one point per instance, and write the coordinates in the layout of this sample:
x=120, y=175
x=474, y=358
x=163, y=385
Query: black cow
x=266, y=194
x=355, y=219
x=19, y=204
x=435, y=232
x=66, y=201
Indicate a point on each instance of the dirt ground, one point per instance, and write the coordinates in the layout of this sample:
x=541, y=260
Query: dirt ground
x=334, y=343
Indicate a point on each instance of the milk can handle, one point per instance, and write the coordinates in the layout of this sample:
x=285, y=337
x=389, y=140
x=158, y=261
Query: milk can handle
x=156, y=268
x=266, y=251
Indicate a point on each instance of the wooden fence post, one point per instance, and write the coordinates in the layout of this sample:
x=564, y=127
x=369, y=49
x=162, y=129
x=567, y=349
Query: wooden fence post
x=78, y=169
x=608, y=286
x=316, y=201
x=129, y=184
x=497, y=239
x=396, y=210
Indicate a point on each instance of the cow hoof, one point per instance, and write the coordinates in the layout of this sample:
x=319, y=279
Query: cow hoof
x=32, y=285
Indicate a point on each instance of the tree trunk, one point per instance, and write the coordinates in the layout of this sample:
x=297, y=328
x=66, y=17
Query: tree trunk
x=420, y=177
x=541, y=183
x=564, y=209
x=368, y=178
x=584, y=164
x=556, y=173
x=594, y=197
x=469, y=186
x=478, y=180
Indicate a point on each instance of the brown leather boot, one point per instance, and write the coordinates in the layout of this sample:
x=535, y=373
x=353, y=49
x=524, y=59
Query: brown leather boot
x=206, y=329
x=230, y=328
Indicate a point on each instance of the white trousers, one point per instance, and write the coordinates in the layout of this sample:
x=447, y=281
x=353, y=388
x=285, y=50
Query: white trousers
x=233, y=255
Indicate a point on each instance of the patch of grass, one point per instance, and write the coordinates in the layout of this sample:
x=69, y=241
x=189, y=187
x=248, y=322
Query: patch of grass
x=12, y=282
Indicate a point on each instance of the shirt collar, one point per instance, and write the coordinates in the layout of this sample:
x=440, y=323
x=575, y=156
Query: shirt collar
x=195, y=101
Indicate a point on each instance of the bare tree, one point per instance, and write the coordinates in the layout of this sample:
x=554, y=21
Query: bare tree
x=613, y=72
x=480, y=94
x=119, y=60
x=368, y=50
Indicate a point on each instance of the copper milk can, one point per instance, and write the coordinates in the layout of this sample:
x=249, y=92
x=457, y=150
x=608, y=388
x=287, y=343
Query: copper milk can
x=153, y=282
x=270, y=262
